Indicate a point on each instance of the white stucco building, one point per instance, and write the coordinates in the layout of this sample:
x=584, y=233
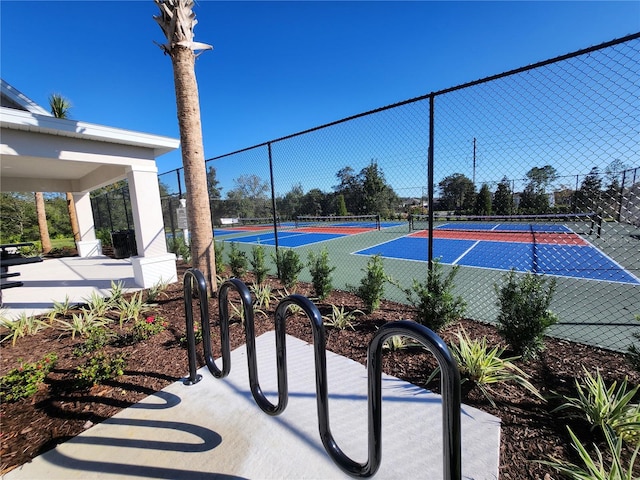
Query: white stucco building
x=41, y=153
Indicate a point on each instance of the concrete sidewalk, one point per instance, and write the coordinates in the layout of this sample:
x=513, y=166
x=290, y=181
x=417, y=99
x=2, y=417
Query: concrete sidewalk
x=56, y=278
x=214, y=430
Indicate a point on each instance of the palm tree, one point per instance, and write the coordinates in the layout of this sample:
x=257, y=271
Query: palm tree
x=42, y=223
x=60, y=107
x=177, y=21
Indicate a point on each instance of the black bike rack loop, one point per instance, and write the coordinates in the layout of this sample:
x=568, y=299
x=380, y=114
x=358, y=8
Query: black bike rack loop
x=192, y=276
x=449, y=386
x=450, y=377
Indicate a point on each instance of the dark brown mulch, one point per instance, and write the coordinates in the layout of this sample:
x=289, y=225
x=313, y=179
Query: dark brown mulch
x=61, y=410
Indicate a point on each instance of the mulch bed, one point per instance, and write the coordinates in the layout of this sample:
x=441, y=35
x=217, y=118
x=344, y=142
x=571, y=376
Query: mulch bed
x=60, y=409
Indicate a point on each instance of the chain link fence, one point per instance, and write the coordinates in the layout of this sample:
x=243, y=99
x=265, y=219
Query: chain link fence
x=537, y=170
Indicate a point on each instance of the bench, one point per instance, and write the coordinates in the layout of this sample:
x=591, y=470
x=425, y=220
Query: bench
x=10, y=257
x=229, y=221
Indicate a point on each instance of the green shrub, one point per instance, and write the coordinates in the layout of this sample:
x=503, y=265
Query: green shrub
x=178, y=246
x=258, y=266
x=434, y=300
x=633, y=352
x=524, y=312
x=218, y=252
x=371, y=288
x=97, y=338
x=24, y=381
x=198, y=336
x=29, y=251
x=104, y=235
x=99, y=369
x=289, y=267
x=147, y=328
x=237, y=261
x=321, y=273
x=117, y=292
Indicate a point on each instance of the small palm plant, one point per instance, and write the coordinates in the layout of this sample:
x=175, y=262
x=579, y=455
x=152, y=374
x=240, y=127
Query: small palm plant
x=293, y=308
x=484, y=367
x=239, y=312
x=595, y=468
x=341, y=318
x=97, y=304
x=82, y=324
x=606, y=407
x=263, y=294
x=21, y=327
x=117, y=291
x=157, y=290
x=61, y=308
x=396, y=343
x=132, y=309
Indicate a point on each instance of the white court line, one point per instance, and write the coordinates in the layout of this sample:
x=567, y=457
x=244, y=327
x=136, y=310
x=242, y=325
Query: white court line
x=465, y=252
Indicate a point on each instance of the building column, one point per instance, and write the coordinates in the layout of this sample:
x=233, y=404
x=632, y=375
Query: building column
x=88, y=245
x=153, y=264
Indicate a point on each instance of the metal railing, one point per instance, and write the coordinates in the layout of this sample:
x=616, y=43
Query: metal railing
x=450, y=377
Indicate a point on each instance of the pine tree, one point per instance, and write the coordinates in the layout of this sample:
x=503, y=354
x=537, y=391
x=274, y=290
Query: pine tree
x=503, y=198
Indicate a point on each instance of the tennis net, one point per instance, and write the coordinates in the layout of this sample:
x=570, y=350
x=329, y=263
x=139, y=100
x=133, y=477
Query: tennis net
x=348, y=221
x=580, y=223
x=257, y=221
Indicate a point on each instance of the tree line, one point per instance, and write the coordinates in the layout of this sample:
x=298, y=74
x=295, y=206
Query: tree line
x=595, y=194
x=364, y=193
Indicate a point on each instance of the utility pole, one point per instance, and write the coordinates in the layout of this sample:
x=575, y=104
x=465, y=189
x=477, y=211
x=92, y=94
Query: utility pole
x=474, y=161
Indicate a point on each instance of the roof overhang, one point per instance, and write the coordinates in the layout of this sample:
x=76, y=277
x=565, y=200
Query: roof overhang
x=48, y=154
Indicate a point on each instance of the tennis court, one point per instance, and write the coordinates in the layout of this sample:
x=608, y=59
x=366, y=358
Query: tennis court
x=304, y=231
x=527, y=246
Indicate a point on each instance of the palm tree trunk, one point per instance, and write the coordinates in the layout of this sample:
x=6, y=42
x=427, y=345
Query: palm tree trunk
x=177, y=22
x=73, y=217
x=198, y=208
x=42, y=223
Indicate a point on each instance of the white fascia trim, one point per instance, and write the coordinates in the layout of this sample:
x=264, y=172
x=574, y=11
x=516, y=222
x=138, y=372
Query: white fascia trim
x=19, y=120
x=21, y=99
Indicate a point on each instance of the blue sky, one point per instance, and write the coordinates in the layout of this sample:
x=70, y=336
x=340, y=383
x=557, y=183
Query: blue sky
x=282, y=67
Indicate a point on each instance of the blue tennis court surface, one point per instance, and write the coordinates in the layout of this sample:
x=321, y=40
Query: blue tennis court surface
x=285, y=238
x=298, y=237
x=578, y=261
